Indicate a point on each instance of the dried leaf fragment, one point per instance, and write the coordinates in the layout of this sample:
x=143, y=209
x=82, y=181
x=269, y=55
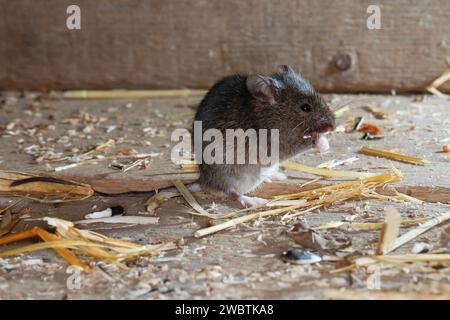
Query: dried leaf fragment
x=370, y=128
x=26, y=184
x=159, y=198
x=310, y=239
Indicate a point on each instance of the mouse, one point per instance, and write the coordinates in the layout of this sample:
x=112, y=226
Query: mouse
x=284, y=101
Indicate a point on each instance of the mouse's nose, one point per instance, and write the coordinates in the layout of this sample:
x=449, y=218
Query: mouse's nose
x=325, y=124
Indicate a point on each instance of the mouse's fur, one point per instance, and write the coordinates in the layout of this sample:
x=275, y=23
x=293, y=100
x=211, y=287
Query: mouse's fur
x=271, y=102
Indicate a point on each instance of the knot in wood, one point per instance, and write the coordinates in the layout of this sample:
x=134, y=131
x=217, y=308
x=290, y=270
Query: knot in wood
x=343, y=61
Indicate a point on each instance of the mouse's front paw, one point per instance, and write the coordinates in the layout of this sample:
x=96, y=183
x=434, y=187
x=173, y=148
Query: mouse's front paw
x=277, y=176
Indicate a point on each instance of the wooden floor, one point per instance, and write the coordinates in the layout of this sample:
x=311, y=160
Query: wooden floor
x=244, y=262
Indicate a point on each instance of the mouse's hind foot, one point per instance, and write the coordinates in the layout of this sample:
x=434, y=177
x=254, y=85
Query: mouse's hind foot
x=276, y=176
x=246, y=201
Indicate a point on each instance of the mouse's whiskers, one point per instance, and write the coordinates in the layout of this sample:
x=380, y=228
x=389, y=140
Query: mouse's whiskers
x=301, y=123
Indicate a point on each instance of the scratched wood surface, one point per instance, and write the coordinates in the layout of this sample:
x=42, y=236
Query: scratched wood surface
x=238, y=263
x=173, y=44
x=145, y=126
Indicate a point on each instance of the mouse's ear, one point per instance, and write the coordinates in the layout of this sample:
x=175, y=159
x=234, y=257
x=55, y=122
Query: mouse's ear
x=284, y=68
x=262, y=88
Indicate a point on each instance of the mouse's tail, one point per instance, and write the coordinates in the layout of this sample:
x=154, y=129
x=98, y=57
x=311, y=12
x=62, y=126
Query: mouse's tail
x=192, y=187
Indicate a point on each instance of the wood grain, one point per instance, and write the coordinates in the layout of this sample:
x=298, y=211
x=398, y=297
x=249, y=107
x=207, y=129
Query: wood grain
x=175, y=44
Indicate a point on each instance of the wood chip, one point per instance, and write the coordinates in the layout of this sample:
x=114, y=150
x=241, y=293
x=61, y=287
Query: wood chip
x=389, y=231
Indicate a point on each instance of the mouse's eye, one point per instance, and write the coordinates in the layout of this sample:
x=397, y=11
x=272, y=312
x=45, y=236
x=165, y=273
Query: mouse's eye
x=306, y=107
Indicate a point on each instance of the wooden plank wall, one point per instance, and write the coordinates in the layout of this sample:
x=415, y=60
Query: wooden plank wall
x=192, y=43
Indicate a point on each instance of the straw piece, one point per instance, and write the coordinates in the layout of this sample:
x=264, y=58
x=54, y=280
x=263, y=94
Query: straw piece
x=66, y=167
x=296, y=214
x=405, y=197
x=376, y=112
x=394, y=259
x=50, y=243
x=382, y=295
x=284, y=203
x=326, y=172
x=122, y=219
x=414, y=258
x=419, y=230
x=392, y=156
x=341, y=110
x=368, y=225
x=313, y=204
x=243, y=219
x=315, y=198
x=402, y=258
x=105, y=158
x=334, y=163
x=189, y=167
x=187, y=195
x=433, y=87
x=130, y=94
x=373, y=181
x=86, y=242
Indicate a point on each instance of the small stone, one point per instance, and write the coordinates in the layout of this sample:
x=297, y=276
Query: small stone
x=421, y=247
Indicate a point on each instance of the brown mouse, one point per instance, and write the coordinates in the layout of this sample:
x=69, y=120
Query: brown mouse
x=283, y=100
